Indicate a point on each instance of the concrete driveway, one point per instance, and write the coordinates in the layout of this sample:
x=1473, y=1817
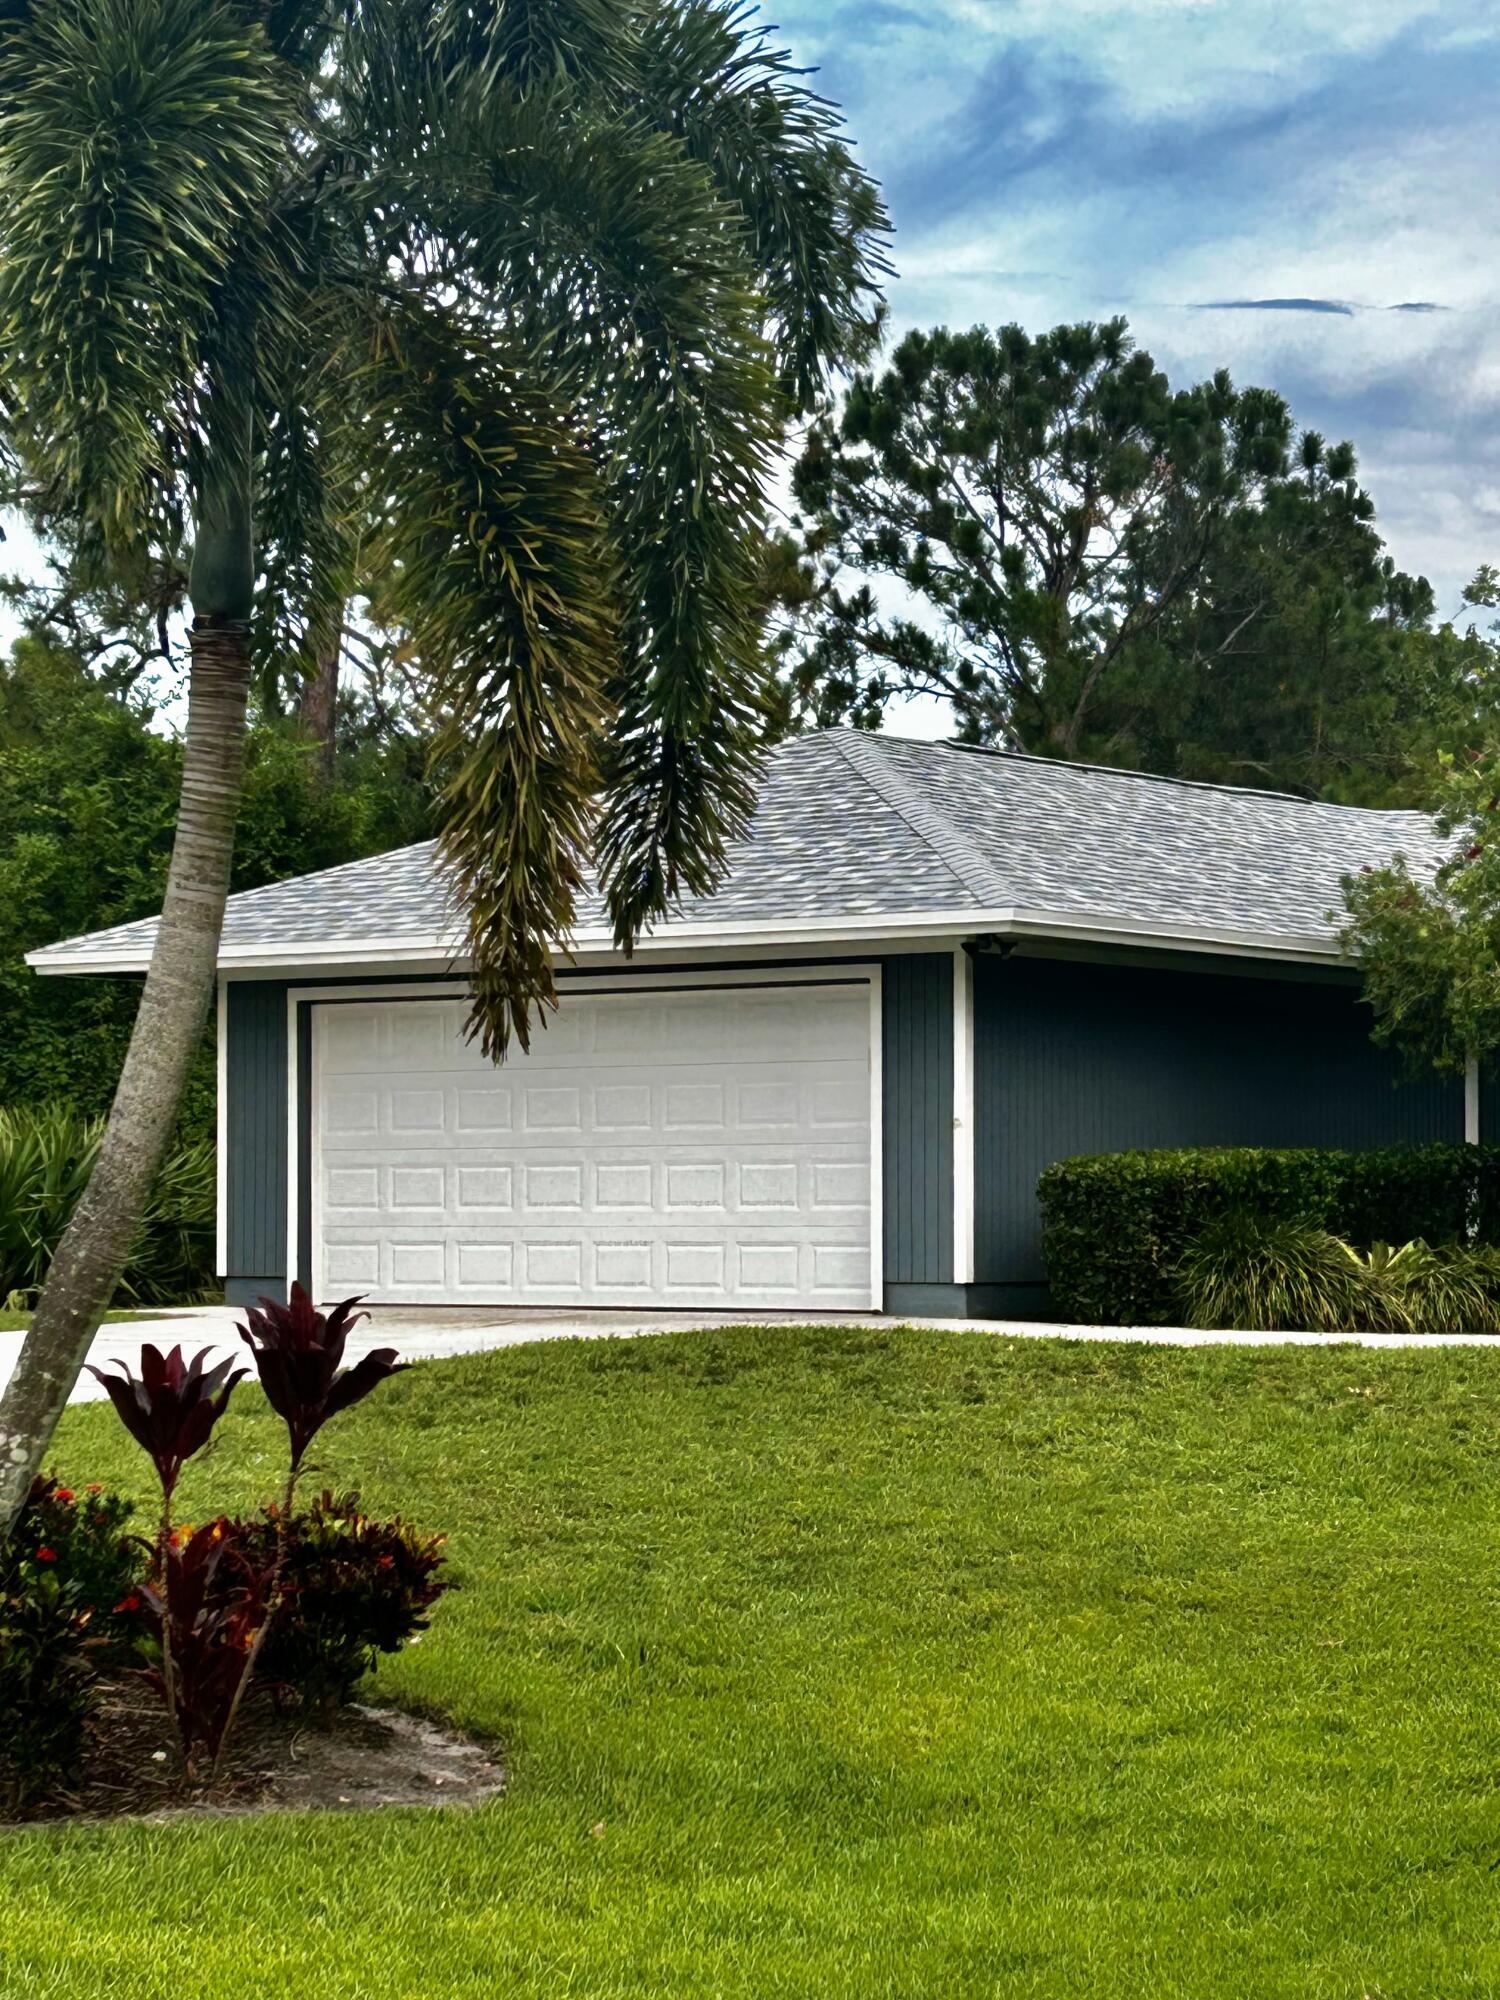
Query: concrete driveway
x=429, y=1334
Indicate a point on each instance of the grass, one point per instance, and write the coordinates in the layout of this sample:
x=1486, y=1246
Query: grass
x=17, y=1322
x=877, y=1664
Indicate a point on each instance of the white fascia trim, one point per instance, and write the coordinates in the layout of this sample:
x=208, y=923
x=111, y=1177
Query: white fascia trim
x=913, y=927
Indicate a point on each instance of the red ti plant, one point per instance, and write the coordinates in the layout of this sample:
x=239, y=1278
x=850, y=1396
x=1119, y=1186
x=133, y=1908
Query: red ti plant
x=170, y=1409
x=298, y=1353
x=206, y=1608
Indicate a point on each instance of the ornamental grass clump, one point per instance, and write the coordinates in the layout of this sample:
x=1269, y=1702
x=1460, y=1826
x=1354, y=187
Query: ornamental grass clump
x=1447, y=1288
x=1245, y=1272
x=1251, y=1272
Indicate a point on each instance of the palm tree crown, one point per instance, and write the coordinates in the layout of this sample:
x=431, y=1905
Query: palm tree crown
x=495, y=313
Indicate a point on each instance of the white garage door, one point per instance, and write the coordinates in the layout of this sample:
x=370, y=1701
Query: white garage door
x=678, y=1147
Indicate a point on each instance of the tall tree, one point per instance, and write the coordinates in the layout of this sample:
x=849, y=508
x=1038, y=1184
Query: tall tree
x=1427, y=936
x=537, y=283
x=1084, y=562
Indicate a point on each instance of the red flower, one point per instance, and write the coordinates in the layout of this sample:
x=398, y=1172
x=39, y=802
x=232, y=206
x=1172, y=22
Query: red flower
x=130, y=1603
x=65, y=1494
x=95, y=1487
x=46, y=1555
x=386, y=1562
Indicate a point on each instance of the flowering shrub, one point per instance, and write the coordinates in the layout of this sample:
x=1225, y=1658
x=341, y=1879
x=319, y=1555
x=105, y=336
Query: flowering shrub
x=352, y=1589
x=69, y=1595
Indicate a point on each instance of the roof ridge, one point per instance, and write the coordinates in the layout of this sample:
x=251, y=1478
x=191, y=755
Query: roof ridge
x=964, y=859
x=1003, y=755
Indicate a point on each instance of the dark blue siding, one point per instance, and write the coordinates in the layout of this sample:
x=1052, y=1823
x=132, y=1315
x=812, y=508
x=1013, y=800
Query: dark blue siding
x=917, y=1074
x=257, y=1111
x=1073, y=1058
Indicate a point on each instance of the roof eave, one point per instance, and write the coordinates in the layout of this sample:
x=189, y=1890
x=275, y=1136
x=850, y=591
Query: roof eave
x=910, y=928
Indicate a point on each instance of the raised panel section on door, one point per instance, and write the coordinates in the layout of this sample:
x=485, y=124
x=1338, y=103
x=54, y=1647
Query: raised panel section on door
x=702, y=1147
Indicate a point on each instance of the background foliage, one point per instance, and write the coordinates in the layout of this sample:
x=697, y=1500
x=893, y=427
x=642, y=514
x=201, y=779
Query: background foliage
x=1428, y=943
x=88, y=799
x=1084, y=561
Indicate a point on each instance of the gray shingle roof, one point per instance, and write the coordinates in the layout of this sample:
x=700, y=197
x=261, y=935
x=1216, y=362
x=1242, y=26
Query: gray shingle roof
x=854, y=827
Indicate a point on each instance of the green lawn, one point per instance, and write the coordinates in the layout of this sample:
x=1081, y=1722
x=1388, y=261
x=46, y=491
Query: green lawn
x=17, y=1322
x=891, y=1664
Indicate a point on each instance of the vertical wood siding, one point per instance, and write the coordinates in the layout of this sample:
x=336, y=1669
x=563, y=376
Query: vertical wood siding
x=256, y=1126
x=917, y=1072
x=1074, y=1058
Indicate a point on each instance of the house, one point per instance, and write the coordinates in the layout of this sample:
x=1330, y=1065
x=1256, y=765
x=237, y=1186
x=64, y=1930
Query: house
x=930, y=971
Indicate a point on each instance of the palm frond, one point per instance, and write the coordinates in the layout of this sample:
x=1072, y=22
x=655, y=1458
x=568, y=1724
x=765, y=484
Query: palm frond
x=134, y=137
x=816, y=222
x=309, y=517
x=628, y=277
x=495, y=563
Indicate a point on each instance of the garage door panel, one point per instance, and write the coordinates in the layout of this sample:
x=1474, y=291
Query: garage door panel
x=703, y=1148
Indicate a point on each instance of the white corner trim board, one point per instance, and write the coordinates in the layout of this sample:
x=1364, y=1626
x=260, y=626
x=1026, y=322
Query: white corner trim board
x=221, y=1130
x=1471, y=1102
x=963, y=1118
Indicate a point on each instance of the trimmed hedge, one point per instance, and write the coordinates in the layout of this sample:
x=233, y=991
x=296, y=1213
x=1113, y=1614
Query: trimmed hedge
x=1115, y=1225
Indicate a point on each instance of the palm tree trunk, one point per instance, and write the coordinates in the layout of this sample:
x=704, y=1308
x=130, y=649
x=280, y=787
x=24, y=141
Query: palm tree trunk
x=174, y=1006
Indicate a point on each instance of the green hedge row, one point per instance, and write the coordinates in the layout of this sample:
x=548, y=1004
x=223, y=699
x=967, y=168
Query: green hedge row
x=1115, y=1225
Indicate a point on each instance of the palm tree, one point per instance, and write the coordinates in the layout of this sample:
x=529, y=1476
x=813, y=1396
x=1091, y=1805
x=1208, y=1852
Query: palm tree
x=523, y=291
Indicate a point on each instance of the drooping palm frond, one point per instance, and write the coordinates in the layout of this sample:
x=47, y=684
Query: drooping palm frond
x=774, y=148
x=134, y=136
x=639, y=205
x=495, y=562
x=309, y=519
x=629, y=276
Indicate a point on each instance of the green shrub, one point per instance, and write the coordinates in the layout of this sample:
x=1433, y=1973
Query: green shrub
x=45, y=1159
x=46, y=1690
x=354, y=1588
x=1117, y=1225
x=69, y=1600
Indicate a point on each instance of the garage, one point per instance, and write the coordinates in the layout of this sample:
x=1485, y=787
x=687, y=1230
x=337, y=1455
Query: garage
x=697, y=1144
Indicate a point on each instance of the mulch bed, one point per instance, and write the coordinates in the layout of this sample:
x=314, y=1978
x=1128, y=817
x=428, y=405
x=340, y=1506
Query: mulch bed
x=279, y=1762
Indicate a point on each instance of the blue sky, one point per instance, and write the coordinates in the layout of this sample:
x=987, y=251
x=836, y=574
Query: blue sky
x=1178, y=161
x=1190, y=162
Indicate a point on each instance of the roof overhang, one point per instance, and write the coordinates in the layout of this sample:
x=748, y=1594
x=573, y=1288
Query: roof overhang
x=901, y=930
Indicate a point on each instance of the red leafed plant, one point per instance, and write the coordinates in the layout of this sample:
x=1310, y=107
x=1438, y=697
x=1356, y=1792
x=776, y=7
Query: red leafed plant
x=298, y=1353
x=215, y=1595
x=205, y=1610
x=170, y=1410
x=171, y=1406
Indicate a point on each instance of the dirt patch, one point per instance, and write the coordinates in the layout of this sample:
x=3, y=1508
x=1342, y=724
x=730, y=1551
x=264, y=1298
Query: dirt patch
x=367, y=1757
